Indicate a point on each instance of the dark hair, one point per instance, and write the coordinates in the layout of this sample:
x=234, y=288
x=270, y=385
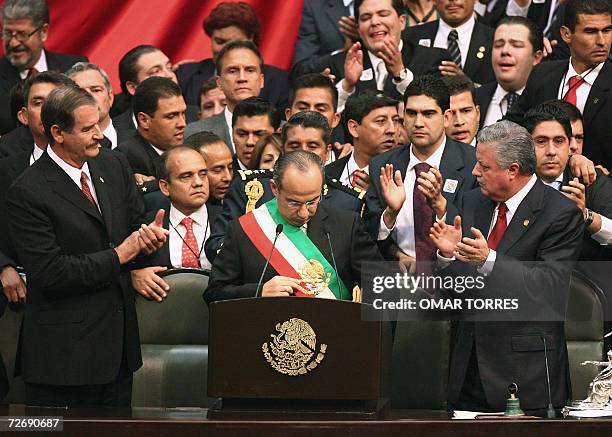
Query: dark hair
x=16, y=102
x=149, y=92
x=35, y=10
x=208, y=85
x=254, y=106
x=313, y=80
x=359, y=105
x=430, y=86
x=261, y=144
x=573, y=8
x=60, y=105
x=234, y=45
x=547, y=111
x=536, y=37
x=572, y=112
x=459, y=85
x=307, y=119
x=165, y=158
x=53, y=77
x=128, y=65
x=239, y=14
x=202, y=139
x=398, y=5
x=300, y=159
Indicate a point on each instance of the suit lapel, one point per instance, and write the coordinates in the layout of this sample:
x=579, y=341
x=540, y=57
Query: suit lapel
x=316, y=233
x=451, y=165
x=598, y=94
x=367, y=65
x=164, y=253
x=482, y=220
x=477, y=43
x=98, y=178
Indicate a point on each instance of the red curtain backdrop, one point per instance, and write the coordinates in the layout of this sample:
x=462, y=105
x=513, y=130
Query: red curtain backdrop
x=103, y=30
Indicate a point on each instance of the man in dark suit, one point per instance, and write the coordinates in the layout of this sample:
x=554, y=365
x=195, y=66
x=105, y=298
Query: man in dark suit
x=25, y=27
x=159, y=109
x=297, y=186
x=584, y=80
x=412, y=185
x=188, y=220
x=4, y=383
x=517, y=48
x=227, y=22
x=533, y=236
x=80, y=314
x=382, y=60
x=468, y=41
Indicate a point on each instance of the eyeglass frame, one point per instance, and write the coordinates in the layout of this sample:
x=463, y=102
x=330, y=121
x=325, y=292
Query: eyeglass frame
x=14, y=33
x=295, y=205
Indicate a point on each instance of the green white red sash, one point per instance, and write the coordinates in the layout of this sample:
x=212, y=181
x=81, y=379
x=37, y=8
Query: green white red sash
x=295, y=255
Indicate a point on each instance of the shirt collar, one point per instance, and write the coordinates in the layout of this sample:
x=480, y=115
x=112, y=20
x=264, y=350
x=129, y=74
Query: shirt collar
x=588, y=77
x=500, y=93
x=200, y=216
x=41, y=65
x=514, y=202
x=228, y=118
x=37, y=152
x=111, y=133
x=72, y=172
x=160, y=152
x=434, y=160
x=352, y=165
x=464, y=31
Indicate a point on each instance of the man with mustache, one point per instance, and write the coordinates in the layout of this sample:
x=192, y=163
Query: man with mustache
x=25, y=28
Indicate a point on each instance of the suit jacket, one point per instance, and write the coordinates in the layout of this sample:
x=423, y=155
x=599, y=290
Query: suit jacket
x=334, y=169
x=418, y=59
x=477, y=69
x=4, y=382
x=16, y=141
x=484, y=94
x=193, y=74
x=9, y=76
x=80, y=314
x=215, y=124
x=514, y=351
x=543, y=85
x=237, y=268
x=319, y=34
x=457, y=163
x=141, y=156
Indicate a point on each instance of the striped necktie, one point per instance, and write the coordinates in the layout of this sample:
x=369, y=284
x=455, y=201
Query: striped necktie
x=453, y=47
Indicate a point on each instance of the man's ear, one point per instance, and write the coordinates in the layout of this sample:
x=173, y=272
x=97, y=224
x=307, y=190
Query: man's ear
x=44, y=32
x=537, y=57
x=514, y=170
x=57, y=134
x=111, y=98
x=22, y=116
x=353, y=128
x=163, y=187
x=335, y=120
x=448, y=118
x=143, y=120
x=274, y=187
x=566, y=34
x=131, y=87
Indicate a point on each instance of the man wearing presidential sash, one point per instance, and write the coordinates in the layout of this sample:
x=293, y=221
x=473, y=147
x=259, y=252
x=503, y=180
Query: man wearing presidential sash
x=302, y=262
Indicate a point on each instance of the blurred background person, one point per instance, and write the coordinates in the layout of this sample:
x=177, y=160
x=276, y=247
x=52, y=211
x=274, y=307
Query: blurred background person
x=267, y=150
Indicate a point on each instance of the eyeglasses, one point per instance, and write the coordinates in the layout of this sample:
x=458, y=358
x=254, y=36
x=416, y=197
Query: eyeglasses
x=20, y=36
x=310, y=205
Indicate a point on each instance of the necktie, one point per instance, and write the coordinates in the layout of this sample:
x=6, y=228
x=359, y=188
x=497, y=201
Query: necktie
x=423, y=216
x=31, y=72
x=86, y=190
x=511, y=99
x=190, y=251
x=574, y=83
x=381, y=76
x=453, y=47
x=500, y=227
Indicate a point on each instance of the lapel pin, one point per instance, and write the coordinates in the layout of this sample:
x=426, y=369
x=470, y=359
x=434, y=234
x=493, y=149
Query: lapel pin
x=101, y=180
x=481, y=49
x=596, y=100
x=526, y=222
x=479, y=55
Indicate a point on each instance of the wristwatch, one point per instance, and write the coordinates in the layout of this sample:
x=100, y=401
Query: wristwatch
x=589, y=217
x=403, y=74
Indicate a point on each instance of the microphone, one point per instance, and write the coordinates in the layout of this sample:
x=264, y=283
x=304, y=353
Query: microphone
x=279, y=230
x=550, y=411
x=331, y=249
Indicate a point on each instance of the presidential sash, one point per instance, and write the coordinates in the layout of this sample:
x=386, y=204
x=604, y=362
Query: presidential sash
x=295, y=255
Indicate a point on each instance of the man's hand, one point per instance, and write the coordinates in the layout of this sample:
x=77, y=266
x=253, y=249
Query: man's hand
x=343, y=149
x=583, y=168
x=328, y=74
x=549, y=46
x=141, y=179
x=430, y=184
x=392, y=58
x=473, y=250
x=446, y=237
x=129, y=248
x=407, y=263
x=148, y=284
x=393, y=192
x=449, y=68
x=353, y=67
x=604, y=170
x=153, y=236
x=12, y=285
x=349, y=28
x=362, y=180
x=281, y=286
x=575, y=191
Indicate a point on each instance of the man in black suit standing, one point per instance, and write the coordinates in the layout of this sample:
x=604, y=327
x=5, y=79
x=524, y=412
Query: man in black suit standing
x=517, y=49
x=311, y=232
x=585, y=80
x=412, y=185
x=77, y=219
x=468, y=41
x=25, y=27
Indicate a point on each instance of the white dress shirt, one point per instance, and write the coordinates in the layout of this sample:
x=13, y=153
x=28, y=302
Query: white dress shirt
x=582, y=91
x=41, y=65
x=75, y=173
x=228, y=120
x=465, y=35
x=201, y=231
x=36, y=153
x=499, y=105
x=403, y=229
x=351, y=166
x=111, y=133
x=514, y=9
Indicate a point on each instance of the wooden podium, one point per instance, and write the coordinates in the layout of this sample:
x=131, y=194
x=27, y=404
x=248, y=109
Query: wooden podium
x=297, y=358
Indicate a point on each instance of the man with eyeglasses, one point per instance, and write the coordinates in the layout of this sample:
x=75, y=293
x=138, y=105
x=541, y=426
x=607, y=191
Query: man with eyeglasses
x=311, y=232
x=25, y=27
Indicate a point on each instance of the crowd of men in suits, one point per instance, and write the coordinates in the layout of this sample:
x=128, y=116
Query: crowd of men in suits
x=463, y=145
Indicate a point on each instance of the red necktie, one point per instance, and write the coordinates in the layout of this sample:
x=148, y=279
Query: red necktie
x=574, y=83
x=354, y=178
x=190, y=252
x=500, y=227
x=86, y=190
x=31, y=72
